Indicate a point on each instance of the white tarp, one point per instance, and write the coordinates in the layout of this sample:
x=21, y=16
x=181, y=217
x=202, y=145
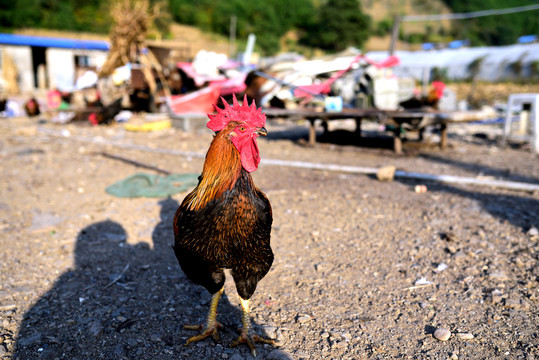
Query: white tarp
x=498, y=63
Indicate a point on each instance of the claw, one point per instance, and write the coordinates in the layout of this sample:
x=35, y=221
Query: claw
x=212, y=330
x=212, y=326
x=245, y=338
x=193, y=327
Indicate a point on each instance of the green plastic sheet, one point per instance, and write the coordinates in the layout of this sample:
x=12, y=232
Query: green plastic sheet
x=152, y=185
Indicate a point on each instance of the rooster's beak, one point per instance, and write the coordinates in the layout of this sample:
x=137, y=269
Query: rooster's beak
x=262, y=131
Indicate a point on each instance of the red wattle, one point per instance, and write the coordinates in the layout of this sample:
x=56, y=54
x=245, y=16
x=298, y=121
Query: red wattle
x=249, y=156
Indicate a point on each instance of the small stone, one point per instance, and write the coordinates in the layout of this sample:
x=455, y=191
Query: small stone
x=271, y=331
x=454, y=356
x=442, y=334
x=465, y=336
x=337, y=344
x=420, y=189
x=512, y=303
x=519, y=263
x=533, y=231
x=335, y=336
x=497, y=276
x=119, y=351
x=236, y=357
x=7, y=307
x=386, y=173
x=422, y=281
x=449, y=236
x=452, y=249
x=459, y=256
x=96, y=328
x=441, y=267
x=496, y=296
x=303, y=318
x=131, y=342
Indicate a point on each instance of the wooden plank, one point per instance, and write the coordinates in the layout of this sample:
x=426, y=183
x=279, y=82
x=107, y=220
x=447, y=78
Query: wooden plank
x=443, y=136
x=312, y=132
x=397, y=144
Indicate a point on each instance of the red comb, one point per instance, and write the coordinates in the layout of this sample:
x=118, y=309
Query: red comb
x=242, y=113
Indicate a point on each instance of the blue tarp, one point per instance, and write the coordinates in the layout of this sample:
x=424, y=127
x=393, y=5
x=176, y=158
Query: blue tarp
x=27, y=40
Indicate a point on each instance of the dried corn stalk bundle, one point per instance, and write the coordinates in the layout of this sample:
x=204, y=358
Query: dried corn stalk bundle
x=9, y=73
x=131, y=21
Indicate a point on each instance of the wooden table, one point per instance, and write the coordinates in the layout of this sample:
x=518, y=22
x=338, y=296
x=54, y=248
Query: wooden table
x=413, y=120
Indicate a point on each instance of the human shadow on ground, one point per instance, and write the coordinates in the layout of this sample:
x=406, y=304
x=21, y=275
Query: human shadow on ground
x=481, y=169
x=124, y=301
x=512, y=207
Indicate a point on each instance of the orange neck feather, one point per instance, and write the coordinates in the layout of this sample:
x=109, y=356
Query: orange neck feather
x=222, y=168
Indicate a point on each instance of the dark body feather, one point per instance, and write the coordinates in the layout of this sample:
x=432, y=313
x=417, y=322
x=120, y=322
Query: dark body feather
x=230, y=231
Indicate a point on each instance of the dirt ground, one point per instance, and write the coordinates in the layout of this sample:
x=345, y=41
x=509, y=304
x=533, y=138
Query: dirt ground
x=363, y=269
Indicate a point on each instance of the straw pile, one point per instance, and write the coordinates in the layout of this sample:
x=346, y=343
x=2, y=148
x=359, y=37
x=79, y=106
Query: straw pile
x=131, y=21
x=9, y=74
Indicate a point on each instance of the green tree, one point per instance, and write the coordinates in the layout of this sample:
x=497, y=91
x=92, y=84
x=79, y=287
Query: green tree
x=340, y=24
x=84, y=15
x=496, y=29
x=383, y=27
x=268, y=20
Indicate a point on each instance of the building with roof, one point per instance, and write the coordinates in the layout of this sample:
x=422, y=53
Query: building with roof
x=47, y=62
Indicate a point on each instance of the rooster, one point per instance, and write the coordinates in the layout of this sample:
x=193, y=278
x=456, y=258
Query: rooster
x=435, y=94
x=225, y=222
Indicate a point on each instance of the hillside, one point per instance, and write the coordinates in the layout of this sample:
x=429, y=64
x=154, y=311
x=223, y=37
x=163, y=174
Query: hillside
x=380, y=10
x=387, y=9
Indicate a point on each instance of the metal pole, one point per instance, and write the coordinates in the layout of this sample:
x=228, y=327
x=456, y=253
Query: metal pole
x=232, y=41
x=394, y=34
x=251, y=39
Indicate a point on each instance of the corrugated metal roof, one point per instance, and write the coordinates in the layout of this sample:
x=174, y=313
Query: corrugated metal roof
x=27, y=40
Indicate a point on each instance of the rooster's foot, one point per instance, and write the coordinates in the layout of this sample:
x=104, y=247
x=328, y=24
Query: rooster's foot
x=212, y=325
x=211, y=330
x=251, y=340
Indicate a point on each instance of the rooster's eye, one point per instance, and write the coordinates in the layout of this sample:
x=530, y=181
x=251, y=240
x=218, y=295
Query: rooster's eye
x=242, y=128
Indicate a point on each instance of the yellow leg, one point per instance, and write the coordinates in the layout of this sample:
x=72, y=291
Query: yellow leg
x=212, y=326
x=245, y=336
